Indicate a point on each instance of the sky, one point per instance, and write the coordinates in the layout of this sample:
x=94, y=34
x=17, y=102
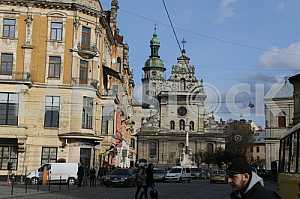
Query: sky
x=232, y=43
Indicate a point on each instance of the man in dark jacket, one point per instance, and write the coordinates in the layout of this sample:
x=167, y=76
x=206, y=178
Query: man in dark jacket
x=245, y=183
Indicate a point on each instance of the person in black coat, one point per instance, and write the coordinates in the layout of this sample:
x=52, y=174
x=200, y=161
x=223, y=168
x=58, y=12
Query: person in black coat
x=80, y=174
x=245, y=183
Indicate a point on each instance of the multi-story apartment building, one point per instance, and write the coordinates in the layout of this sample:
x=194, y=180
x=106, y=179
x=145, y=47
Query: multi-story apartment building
x=58, y=59
x=279, y=110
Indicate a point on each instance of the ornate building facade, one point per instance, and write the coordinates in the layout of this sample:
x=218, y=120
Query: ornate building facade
x=175, y=106
x=60, y=61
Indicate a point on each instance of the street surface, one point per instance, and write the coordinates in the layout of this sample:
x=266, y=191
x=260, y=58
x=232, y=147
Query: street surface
x=192, y=190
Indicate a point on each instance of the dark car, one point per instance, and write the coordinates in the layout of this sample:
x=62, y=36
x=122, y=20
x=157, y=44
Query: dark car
x=159, y=175
x=120, y=177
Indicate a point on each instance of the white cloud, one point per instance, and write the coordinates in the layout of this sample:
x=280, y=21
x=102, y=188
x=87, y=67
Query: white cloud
x=281, y=6
x=282, y=57
x=226, y=9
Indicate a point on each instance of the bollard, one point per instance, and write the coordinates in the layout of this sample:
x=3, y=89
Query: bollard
x=26, y=186
x=38, y=186
x=68, y=184
x=12, y=188
x=49, y=184
x=59, y=183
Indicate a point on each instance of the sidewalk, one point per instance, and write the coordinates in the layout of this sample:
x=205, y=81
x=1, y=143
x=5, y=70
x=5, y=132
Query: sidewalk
x=19, y=190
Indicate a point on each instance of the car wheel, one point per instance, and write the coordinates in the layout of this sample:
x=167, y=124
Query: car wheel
x=34, y=180
x=71, y=181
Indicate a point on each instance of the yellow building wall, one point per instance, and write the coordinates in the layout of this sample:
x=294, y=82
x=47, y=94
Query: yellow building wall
x=38, y=58
x=21, y=42
x=68, y=55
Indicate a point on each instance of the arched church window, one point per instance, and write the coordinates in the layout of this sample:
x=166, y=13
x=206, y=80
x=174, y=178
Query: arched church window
x=282, y=120
x=182, y=84
x=152, y=149
x=154, y=73
x=182, y=125
x=172, y=125
x=192, y=126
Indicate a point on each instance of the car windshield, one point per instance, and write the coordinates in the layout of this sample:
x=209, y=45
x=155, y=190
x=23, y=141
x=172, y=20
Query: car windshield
x=121, y=172
x=175, y=170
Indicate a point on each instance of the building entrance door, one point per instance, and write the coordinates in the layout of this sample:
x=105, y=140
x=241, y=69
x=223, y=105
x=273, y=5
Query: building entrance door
x=85, y=157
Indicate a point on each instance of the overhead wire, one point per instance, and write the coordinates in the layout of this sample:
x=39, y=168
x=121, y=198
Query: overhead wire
x=219, y=39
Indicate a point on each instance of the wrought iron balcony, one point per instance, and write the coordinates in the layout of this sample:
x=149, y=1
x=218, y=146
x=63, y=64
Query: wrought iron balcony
x=87, y=51
x=16, y=77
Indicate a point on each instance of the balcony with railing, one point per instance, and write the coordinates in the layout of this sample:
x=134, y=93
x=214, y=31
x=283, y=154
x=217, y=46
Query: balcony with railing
x=87, y=51
x=16, y=78
x=89, y=83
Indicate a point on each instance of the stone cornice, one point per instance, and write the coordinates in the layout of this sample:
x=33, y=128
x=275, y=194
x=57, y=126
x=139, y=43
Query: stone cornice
x=53, y=5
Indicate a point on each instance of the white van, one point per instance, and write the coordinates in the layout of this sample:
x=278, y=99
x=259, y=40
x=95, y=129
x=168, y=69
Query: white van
x=33, y=176
x=61, y=172
x=179, y=174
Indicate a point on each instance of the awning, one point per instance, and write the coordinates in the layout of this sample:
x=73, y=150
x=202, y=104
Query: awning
x=112, y=72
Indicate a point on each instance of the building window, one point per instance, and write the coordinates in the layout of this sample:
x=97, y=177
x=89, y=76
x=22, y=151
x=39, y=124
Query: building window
x=87, y=113
x=86, y=38
x=182, y=125
x=56, y=31
x=281, y=122
x=52, y=107
x=192, y=126
x=6, y=64
x=210, y=148
x=152, y=149
x=172, y=125
x=132, y=143
x=9, y=103
x=8, y=154
x=257, y=149
x=54, y=67
x=49, y=155
x=119, y=61
x=107, y=115
x=9, y=28
x=83, y=76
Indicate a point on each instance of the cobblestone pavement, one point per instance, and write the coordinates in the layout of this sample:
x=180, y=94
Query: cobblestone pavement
x=192, y=190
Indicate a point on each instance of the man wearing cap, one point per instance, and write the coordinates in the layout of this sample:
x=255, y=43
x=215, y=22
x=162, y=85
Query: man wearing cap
x=245, y=183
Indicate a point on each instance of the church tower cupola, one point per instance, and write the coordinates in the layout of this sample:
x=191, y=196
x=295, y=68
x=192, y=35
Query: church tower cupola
x=154, y=45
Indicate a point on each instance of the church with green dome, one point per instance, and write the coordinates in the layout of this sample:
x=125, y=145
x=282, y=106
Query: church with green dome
x=175, y=106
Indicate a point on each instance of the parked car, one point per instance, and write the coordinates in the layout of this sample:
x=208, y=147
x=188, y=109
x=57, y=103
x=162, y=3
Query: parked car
x=179, y=174
x=60, y=172
x=159, y=175
x=120, y=177
x=198, y=173
x=218, y=176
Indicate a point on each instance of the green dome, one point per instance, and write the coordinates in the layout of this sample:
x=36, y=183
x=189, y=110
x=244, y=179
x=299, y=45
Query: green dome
x=155, y=41
x=154, y=62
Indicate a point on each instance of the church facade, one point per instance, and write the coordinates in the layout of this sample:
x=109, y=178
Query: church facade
x=175, y=107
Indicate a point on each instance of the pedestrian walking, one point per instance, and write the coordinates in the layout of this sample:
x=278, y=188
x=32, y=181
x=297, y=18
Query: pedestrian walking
x=92, y=177
x=80, y=174
x=150, y=182
x=245, y=183
x=140, y=182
